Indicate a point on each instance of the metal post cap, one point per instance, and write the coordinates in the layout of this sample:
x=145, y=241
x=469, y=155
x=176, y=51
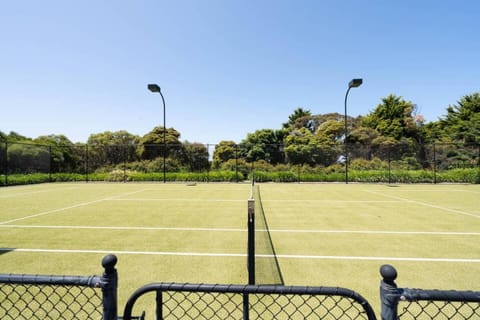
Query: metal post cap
x=109, y=261
x=388, y=272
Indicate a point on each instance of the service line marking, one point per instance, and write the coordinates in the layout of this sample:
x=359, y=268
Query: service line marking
x=220, y=229
x=208, y=254
x=178, y=199
x=124, y=228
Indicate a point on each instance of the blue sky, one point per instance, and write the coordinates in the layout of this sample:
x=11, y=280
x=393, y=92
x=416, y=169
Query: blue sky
x=226, y=67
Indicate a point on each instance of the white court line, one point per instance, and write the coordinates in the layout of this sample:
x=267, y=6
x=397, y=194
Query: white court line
x=450, y=233
x=125, y=228
x=12, y=195
x=287, y=256
x=177, y=199
x=425, y=204
x=206, y=254
x=334, y=201
x=69, y=207
x=155, y=253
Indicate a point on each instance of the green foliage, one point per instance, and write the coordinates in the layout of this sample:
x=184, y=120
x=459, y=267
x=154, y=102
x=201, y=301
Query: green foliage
x=462, y=121
x=307, y=148
x=195, y=156
x=392, y=118
x=224, y=151
x=298, y=119
x=152, y=144
x=263, y=145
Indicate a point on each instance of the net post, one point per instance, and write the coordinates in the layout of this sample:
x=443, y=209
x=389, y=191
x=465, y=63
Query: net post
x=251, y=241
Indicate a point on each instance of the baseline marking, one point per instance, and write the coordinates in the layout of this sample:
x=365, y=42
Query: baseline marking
x=425, y=204
x=69, y=207
x=204, y=254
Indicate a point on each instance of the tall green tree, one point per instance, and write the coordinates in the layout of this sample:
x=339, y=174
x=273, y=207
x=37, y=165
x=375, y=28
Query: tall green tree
x=462, y=121
x=263, y=144
x=393, y=118
x=300, y=147
x=298, y=119
x=152, y=144
x=195, y=156
x=62, y=152
x=112, y=148
x=224, y=151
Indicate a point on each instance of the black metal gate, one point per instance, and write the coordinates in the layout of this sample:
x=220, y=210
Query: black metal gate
x=205, y=301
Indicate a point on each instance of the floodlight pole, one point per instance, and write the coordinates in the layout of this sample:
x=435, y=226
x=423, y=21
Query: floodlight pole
x=354, y=83
x=155, y=88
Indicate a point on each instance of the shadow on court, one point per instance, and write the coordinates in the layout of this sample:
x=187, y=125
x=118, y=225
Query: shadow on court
x=6, y=250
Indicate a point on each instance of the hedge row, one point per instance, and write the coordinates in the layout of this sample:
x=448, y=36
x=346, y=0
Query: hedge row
x=466, y=175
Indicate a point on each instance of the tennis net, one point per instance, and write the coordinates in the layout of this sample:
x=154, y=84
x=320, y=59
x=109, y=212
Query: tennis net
x=267, y=269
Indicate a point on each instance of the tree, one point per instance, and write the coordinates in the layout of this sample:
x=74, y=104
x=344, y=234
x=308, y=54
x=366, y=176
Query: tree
x=28, y=158
x=263, y=144
x=462, y=121
x=113, y=147
x=300, y=147
x=152, y=144
x=195, y=156
x=62, y=152
x=299, y=118
x=330, y=131
x=224, y=151
x=392, y=118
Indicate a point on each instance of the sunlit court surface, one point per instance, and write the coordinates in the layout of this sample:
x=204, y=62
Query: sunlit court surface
x=322, y=234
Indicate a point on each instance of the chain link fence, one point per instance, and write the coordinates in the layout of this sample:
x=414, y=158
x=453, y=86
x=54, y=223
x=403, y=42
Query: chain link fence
x=95, y=297
x=22, y=163
x=425, y=304
x=204, y=301
x=60, y=297
x=49, y=301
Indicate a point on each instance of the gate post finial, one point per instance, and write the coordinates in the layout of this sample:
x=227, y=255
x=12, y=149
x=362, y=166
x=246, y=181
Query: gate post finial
x=109, y=282
x=389, y=293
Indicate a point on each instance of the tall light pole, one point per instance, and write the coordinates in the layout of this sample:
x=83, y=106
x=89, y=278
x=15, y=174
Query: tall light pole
x=352, y=84
x=155, y=88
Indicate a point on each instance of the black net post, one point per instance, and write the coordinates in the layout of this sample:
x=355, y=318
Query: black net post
x=389, y=293
x=109, y=281
x=251, y=241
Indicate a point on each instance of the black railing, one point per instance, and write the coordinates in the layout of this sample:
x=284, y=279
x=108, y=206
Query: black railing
x=425, y=304
x=60, y=297
x=205, y=301
x=95, y=297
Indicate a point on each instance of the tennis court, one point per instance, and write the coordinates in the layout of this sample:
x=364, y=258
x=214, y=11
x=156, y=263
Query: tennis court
x=322, y=234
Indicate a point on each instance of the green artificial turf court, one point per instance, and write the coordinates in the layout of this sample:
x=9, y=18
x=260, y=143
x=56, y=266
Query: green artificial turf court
x=323, y=234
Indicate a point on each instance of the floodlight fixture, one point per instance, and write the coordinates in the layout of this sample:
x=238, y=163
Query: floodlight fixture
x=355, y=83
x=153, y=87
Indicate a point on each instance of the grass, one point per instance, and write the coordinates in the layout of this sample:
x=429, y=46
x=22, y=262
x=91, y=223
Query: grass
x=324, y=234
